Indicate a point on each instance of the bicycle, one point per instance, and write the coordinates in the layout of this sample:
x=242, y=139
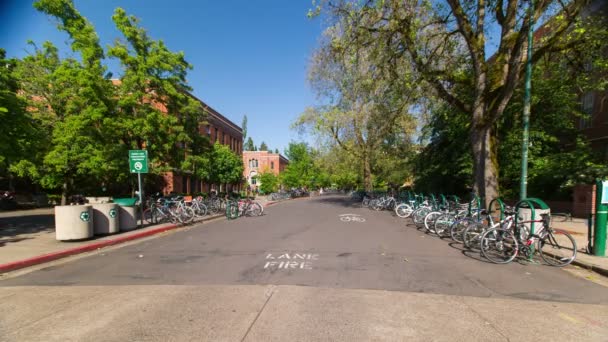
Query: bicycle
x=555, y=246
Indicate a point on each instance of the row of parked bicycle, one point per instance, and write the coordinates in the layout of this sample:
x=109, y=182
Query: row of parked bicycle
x=294, y=193
x=500, y=233
x=176, y=209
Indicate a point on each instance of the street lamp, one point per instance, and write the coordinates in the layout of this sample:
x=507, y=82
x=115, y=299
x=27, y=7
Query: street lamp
x=523, y=193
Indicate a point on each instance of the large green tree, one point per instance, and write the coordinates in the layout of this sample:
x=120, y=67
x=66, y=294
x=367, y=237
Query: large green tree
x=446, y=43
x=72, y=100
x=153, y=83
x=367, y=97
x=19, y=132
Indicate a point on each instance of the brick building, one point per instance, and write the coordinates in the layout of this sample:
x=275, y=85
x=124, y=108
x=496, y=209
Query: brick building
x=218, y=129
x=258, y=162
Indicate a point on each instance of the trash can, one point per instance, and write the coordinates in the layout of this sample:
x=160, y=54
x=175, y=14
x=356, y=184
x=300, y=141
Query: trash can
x=127, y=213
x=73, y=222
x=105, y=218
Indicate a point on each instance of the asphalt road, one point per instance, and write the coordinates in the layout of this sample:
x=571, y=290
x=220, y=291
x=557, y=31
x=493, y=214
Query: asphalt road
x=304, y=242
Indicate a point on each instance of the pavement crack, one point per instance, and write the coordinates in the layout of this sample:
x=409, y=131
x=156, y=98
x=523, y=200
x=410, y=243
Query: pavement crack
x=486, y=321
x=268, y=293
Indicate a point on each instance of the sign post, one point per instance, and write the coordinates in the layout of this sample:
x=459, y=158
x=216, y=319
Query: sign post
x=138, y=163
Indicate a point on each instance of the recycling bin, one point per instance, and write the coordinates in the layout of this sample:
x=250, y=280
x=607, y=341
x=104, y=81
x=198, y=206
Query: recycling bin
x=105, y=218
x=127, y=213
x=73, y=222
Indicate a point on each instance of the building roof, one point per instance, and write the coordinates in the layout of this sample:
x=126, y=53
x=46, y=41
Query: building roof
x=266, y=152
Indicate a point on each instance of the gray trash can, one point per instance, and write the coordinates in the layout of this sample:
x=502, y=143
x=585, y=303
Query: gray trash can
x=105, y=218
x=127, y=213
x=73, y=222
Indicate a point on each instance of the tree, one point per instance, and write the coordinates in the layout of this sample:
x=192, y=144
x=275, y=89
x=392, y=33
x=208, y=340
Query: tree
x=276, y=150
x=301, y=170
x=368, y=96
x=269, y=182
x=249, y=146
x=263, y=146
x=244, y=127
x=446, y=43
x=154, y=81
x=72, y=101
x=227, y=166
x=19, y=137
x=558, y=156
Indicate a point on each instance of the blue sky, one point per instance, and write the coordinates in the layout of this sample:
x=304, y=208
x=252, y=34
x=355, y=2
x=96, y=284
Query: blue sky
x=249, y=57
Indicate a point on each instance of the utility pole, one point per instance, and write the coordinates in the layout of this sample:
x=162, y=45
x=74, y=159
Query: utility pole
x=523, y=193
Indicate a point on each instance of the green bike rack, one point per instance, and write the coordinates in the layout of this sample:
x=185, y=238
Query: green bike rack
x=444, y=200
x=530, y=203
x=501, y=207
x=477, y=200
x=232, y=210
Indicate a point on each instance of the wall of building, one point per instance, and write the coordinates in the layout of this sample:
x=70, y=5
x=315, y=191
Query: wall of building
x=258, y=162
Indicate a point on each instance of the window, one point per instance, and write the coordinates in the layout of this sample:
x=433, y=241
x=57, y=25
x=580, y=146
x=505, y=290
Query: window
x=272, y=165
x=253, y=180
x=587, y=108
x=208, y=130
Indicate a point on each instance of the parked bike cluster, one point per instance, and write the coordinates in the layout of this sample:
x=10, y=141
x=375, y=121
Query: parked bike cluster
x=177, y=210
x=500, y=233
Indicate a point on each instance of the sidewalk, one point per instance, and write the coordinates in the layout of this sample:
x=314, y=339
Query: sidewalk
x=579, y=231
x=27, y=238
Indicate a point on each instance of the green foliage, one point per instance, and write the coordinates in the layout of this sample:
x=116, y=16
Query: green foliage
x=249, y=146
x=227, y=166
x=263, y=146
x=301, y=171
x=269, y=182
x=244, y=127
x=155, y=77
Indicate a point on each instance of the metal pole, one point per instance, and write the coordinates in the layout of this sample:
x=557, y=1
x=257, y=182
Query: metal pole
x=141, y=201
x=601, y=220
x=523, y=193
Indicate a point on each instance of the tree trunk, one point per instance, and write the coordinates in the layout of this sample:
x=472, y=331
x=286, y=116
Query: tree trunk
x=485, y=167
x=367, y=174
x=64, y=193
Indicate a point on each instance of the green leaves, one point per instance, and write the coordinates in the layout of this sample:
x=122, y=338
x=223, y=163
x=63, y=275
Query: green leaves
x=224, y=166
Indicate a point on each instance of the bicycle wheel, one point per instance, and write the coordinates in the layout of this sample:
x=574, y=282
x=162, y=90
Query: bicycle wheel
x=498, y=245
x=429, y=221
x=458, y=227
x=557, y=248
x=419, y=215
x=255, y=209
x=472, y=235
x=403, y=210
x=187, y=214
x=149, y=216
x=443, y=223
x=200, y=210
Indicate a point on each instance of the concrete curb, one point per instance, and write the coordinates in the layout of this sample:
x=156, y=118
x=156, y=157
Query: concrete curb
x=40, y=259
x=595, y=268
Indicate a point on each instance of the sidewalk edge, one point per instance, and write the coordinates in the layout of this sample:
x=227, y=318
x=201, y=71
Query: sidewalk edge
x=15, y=265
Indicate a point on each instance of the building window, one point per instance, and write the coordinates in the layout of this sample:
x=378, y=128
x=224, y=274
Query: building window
x=253, y=180
x=272, y=165
x=587, y=109
x=208, y=130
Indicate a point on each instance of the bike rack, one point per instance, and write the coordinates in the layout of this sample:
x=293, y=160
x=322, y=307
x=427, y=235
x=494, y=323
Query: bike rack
x=529, y=203
x=477, y=200
x=501, y=207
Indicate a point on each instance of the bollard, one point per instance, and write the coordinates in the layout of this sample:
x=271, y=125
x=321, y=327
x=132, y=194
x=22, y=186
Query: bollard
x=601, y=218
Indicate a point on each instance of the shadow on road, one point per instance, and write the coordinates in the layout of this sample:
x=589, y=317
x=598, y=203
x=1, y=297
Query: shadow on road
x=346, y=202
x=11, y=227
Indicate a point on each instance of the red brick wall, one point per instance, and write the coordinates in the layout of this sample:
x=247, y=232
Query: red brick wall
x=584, y=200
